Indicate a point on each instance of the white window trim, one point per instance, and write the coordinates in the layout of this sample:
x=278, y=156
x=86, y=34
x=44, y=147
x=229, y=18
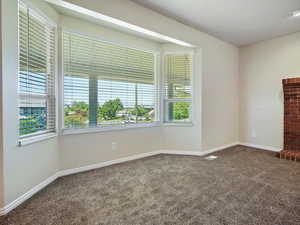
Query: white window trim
x=178, y=124
x=38, y=138
x=44, y=135
x=109, y=128
x=164, y=100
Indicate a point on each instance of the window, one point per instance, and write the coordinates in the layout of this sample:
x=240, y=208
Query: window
x=36, y=73
x=106, y=84
x=178, y=88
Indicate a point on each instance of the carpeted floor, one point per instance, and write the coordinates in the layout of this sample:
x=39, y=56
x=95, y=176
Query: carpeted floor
x=243, y=186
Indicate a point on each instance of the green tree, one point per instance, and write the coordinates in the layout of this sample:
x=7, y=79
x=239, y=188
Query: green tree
x=140, y=110
x=80, y=108
x=109, y=109
x=76, y=114
x=181, y=110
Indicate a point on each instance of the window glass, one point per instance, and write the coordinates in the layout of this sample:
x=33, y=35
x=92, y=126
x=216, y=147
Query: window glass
x=178, y=88
x=106, y=84
x=36, y=73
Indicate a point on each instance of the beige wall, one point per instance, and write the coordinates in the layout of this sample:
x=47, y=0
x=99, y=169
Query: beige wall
x=1, y=121
x=215, y=97
x=24, y=167
x=218, y=76
x=86, y=149
x=262, y=67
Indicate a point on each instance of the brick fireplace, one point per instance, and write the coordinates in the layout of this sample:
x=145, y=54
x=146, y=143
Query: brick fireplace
x=291, y=90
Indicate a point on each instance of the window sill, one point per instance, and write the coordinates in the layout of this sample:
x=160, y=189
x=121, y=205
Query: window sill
x=39, y=138
x=174, y=124
x=70, y=131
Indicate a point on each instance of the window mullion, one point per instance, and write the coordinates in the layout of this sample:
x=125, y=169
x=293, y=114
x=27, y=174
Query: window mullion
x=93, y=101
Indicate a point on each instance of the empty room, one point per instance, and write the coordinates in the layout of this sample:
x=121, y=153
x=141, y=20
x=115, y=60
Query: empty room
x=150, y=112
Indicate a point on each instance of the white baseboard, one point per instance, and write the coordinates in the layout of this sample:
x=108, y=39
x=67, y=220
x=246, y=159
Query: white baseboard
x=197, y=153
x=27, y=195
x=62, y=173
x=180, y=152
x=263, y=147
x=220, y=148
x=104, y=164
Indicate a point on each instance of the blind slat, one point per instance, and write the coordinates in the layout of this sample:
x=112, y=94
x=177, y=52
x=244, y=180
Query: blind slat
x=178, y=72
x=106, y=84
x=36, y=75
x=178, y=89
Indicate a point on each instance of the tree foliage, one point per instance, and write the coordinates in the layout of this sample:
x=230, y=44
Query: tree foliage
x=140, y=110
x=76, y=114
x=109, y=109
x=181, y=110
x=79, y=108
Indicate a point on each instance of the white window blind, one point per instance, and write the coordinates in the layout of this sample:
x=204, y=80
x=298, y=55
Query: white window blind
x=36, y=73
x=106, y=84
x=178, y=87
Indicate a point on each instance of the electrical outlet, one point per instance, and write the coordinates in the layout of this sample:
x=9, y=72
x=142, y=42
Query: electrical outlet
x=253, y=134
x=114, y=146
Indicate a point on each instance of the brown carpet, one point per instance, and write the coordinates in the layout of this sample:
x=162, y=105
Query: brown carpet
x=243, y=186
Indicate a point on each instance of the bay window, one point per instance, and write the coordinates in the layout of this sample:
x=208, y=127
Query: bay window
x=106, y=84
x=36, y=73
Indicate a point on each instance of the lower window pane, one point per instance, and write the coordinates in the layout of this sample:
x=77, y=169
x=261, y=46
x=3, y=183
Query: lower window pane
x=111, y=112
x=33, y=116
x=116, y=112
x=141, y=114
x=77, y=115
x=178, y=111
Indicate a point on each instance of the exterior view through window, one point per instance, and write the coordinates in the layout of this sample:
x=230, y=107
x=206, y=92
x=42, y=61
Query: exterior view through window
x=178, y=87
x=106, y=84
x=36, y=73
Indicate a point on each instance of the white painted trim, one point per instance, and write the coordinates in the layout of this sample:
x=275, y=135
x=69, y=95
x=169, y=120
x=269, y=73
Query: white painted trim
x=263, y=147
x=107, y=163
x=108, y=128
x=62, y=173
x=117, y=22
x=178, y=124
x=38, y=138
x=221, y=148
x=181, y=152
x=27, y=195
x=197, y=152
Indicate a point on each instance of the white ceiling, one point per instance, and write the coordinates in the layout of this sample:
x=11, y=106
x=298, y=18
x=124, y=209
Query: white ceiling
x=241, y=22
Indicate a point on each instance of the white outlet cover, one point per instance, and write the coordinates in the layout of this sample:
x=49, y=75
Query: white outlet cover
x=113, y=145
x=211, y=157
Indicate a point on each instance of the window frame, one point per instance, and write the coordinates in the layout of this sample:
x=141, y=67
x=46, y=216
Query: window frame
x=116, y=127
x=165, y=100
x=44, y=134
